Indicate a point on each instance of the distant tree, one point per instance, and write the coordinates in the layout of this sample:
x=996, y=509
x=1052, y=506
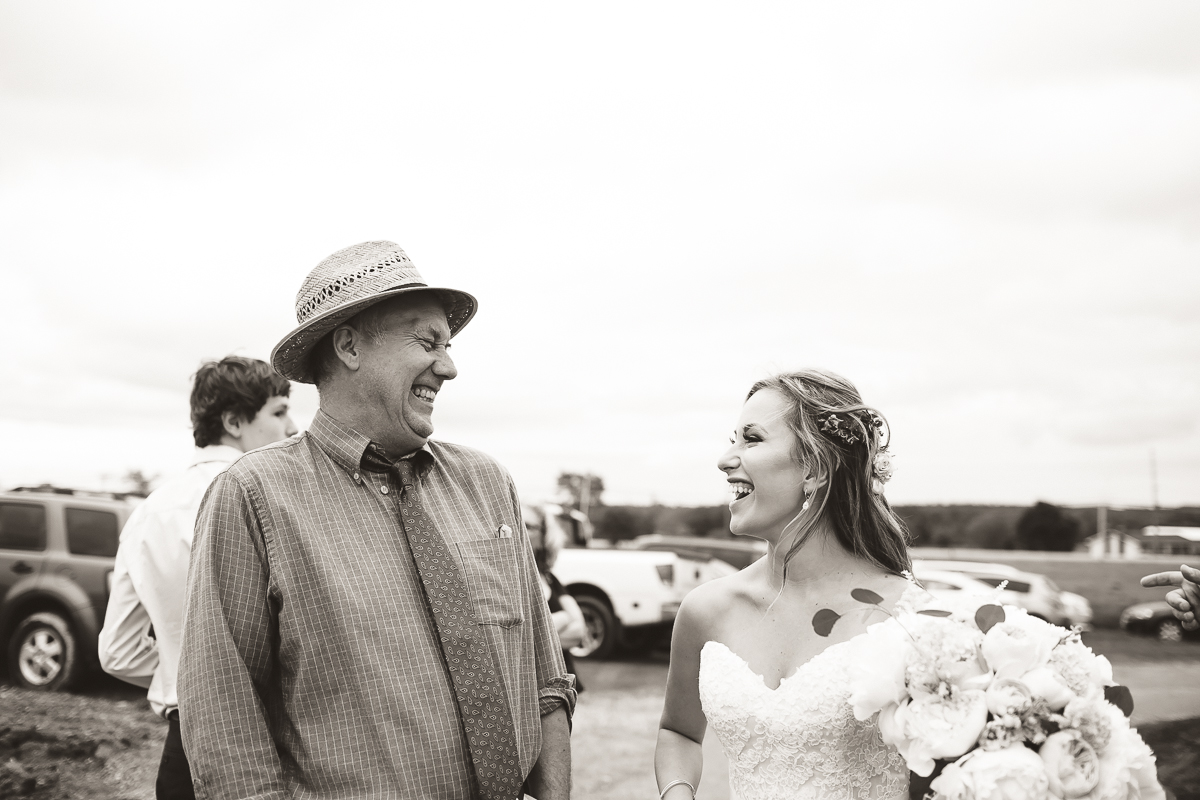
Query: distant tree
x=1046, y=527
x=707, y=521
x=582, y=491
x=140, y=485
x=618, y=522
x=991, y=530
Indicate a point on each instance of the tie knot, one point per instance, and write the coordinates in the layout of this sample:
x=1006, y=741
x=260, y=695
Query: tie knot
x=404, y=470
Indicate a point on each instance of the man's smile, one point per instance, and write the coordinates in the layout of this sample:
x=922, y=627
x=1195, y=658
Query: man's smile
x=424, y=393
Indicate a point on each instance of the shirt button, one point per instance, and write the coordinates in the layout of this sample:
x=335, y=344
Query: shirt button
x=356, y=478
x=383, y=489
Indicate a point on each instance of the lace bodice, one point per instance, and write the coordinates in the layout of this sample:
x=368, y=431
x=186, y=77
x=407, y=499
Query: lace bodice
x=801, y=740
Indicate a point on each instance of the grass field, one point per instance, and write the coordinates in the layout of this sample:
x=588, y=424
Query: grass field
x=1110, y=586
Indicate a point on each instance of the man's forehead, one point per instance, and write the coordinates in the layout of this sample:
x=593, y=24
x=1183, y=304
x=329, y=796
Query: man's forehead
x=423, y=310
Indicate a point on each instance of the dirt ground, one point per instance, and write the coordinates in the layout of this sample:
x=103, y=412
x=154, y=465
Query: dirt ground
x=103, y=743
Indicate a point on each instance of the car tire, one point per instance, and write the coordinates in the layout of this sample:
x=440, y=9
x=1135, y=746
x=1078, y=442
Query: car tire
x=602, y=632
x=43, y=653
x=1169, y=630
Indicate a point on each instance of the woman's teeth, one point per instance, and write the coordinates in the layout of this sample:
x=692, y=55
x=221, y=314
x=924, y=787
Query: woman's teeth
x=741, y=489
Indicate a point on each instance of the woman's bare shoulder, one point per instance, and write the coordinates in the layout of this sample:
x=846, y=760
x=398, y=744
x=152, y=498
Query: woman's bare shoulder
x=708, y=605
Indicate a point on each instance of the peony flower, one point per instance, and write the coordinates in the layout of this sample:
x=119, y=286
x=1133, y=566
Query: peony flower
x=1072, y=766
x=1127, y=770
x=1002, y=733
x=1015, y=773
x=1094, y=720
x=1045, y=683
x=1019, y=644
x=877, y=674
x=1008, y=696
x=935, y=726
x=946, y=654
x=1084, y=672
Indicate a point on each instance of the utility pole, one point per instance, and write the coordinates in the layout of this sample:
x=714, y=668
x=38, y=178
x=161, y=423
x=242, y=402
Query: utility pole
x=1154, y=483
x=1102, y=526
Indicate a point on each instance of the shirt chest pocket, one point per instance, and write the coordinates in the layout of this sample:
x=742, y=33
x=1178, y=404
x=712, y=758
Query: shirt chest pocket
x=492, y=571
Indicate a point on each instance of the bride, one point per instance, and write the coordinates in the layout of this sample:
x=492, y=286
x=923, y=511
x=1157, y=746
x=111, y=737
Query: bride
x=806, y=474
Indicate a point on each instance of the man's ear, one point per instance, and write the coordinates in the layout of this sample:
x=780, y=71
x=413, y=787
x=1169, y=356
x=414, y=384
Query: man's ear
x=347, y=346
x=233, y=424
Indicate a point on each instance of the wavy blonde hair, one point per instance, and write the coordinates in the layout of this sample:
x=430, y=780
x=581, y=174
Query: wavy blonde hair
x=860, y=518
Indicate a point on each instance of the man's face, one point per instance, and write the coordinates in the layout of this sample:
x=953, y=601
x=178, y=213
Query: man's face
x=402, y=373
x=272, y=423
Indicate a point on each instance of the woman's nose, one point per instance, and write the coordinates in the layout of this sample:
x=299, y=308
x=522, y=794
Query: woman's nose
x=729, y=461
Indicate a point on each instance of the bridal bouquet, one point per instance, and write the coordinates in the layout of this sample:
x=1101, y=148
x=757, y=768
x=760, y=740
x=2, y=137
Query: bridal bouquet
x=1021, y=709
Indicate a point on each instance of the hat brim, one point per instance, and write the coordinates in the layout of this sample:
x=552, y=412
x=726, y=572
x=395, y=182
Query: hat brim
x=290, y=358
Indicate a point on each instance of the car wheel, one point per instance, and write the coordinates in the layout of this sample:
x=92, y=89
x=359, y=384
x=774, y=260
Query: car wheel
x=43, y=654
x=601, y=634
x=1169, y=630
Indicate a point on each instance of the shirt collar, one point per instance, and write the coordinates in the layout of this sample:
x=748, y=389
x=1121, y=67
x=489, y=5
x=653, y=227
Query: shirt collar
x=222, y=453
x=346, y=446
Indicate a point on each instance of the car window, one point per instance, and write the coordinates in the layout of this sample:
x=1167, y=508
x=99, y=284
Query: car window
x=1013, y=586
x=935, y=585
x=22, y=526
x=91, y=532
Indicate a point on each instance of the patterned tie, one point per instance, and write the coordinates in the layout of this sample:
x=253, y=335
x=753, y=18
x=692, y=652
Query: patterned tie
x=477, y=684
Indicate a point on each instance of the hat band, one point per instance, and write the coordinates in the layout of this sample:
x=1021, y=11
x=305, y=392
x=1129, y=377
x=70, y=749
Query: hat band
x=334, y=289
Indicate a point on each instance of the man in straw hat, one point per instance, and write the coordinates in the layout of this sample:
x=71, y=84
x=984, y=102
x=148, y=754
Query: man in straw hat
x=364, y=614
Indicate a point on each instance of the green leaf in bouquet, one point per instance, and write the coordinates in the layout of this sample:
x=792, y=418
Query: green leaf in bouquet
x=1121, y=697
x=934, y=612
x=866, y=596
x=824, y=620
x=989, y=616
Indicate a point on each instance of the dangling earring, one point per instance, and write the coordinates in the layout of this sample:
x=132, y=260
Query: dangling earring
x=804, y=507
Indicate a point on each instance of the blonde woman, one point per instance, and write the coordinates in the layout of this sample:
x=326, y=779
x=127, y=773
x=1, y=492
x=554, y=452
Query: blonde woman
x=807, y=463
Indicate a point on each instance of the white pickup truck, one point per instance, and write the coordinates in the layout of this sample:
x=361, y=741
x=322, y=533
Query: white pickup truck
x=628, y=596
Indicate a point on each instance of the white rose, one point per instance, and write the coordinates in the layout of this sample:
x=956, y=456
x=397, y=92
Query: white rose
x=1045, y=683
x=932, y=727
x=1019, y=644
x=1008, y=696
x=1015, y=773
x=1072, y=766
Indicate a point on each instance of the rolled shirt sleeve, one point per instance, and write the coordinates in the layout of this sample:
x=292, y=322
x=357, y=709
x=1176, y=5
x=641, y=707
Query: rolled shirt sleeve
x=126, y=649
x=228, y=652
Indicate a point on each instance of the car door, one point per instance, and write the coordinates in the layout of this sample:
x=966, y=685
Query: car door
x=92, y=535
x=22, y=542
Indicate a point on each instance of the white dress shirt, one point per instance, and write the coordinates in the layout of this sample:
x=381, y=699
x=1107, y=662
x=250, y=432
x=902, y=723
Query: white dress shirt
x=150, y=580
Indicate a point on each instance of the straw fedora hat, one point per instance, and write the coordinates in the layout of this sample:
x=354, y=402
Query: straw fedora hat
x=346, y=283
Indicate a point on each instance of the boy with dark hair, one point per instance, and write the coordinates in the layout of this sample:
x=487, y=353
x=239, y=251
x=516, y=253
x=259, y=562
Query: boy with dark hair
x=238, y=404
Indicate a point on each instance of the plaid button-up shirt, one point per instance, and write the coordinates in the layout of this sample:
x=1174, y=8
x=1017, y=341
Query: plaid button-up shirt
x=310, y=665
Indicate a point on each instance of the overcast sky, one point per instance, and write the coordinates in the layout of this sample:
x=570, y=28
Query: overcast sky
x=986, y=216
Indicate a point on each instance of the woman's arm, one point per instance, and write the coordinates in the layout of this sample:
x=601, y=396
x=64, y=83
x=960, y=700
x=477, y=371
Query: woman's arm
x=569, y=622
x=679, y=755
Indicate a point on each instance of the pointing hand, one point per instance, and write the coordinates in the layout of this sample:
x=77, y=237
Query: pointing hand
x=1184, y=599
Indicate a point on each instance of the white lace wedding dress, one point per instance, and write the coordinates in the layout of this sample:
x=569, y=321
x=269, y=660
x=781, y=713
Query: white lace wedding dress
x=801, y=740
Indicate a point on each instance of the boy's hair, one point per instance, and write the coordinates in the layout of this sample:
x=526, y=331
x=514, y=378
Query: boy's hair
x=235, y=383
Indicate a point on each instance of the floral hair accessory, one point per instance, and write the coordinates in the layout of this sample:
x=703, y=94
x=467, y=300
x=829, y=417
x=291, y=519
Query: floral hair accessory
x=843, y=426
x=881, y=470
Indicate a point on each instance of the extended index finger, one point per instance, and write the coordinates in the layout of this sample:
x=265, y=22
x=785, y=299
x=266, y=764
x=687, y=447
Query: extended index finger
x=1163, y=579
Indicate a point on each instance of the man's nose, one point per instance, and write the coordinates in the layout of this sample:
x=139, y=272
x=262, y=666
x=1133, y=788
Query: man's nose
x=444, y=367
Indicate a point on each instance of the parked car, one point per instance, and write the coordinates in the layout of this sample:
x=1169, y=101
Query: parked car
x=739, y=553
x=1155, y=619
x=1031, y=591
x=627, y=596
x=1077, y=609
x=944, y=584
x=57, y=548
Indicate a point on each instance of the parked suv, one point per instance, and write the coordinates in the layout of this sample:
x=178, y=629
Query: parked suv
x=57, y=548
